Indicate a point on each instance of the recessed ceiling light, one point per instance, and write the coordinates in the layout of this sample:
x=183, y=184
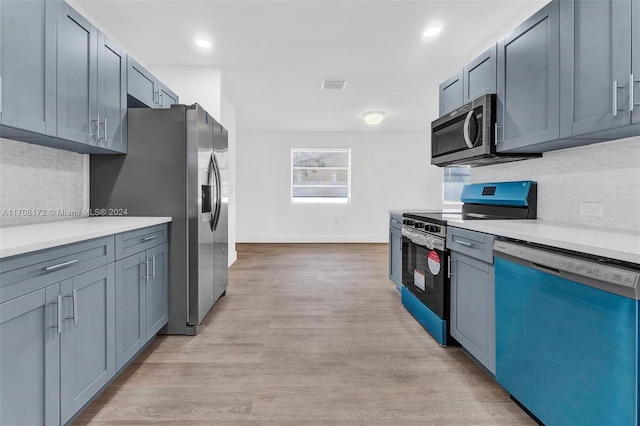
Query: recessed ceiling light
x=374, y=117
x=432, y=31
x=205, y=44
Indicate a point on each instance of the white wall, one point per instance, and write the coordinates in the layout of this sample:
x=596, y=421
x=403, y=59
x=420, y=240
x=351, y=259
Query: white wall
x=388, y=171
x=43, y=184
x=607, y=173
x=228, y=120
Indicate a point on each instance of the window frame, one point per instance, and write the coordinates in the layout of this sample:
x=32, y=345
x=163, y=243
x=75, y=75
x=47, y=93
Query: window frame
x=320, y=200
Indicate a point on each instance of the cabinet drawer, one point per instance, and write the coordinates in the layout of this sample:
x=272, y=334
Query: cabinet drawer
x=132, y=242
x=23, y=274
x=475, y=244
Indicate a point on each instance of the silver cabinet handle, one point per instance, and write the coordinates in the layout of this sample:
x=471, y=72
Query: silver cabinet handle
x=632, y=90
x=615, y=98
x=152, y=237
x=58, y=323
x=450, y=273
x=394, y=221
x=161, y=100
x=60, y=265
x=153, y=267
x=146, y=269
x=156, y=98
x=97, y=126
x=464, y=243
x=465, y=130
x=106, y=134
x=75, y=307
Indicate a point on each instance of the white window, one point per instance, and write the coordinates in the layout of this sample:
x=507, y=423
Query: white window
x=320, y=175
x=455, y=178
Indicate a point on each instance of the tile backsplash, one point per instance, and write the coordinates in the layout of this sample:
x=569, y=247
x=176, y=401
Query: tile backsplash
x=607, y=173
x=41, y=184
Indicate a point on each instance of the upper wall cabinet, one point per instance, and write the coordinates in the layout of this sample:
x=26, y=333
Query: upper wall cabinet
x=112, y=95
x=28, y=65
x=528, y=82
x=479, y=77
x=77, y=111
x=145, y=90
x=597, y=80
x=451, y=94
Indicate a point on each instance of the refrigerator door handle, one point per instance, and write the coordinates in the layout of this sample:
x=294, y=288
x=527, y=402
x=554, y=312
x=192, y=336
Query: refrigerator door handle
x=218, y=199
x=213, y=185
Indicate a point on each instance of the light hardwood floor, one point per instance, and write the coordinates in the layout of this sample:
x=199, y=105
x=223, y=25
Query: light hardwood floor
x=308, y=334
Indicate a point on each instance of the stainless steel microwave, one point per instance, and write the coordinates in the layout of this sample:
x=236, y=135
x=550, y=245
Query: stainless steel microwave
x=466, y=135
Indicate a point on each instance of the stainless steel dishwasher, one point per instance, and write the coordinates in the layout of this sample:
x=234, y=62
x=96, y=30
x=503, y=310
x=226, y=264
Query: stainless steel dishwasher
x=567, y=334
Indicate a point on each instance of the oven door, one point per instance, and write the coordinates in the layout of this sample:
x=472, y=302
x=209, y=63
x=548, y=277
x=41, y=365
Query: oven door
x=424, y=273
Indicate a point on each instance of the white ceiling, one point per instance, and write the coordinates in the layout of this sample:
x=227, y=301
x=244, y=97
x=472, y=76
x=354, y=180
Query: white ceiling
x=275, y=54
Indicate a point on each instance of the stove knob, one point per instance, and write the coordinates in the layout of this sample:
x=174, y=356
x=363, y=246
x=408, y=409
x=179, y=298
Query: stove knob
x=435, y=229
x=419, y=225
x=407, y=222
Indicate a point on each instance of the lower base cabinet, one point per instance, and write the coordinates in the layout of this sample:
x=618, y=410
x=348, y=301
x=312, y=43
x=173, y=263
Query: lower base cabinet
x=76, y=324
x=142, y=305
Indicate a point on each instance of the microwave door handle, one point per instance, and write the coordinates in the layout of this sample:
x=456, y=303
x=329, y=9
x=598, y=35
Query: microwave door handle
x=465, y=130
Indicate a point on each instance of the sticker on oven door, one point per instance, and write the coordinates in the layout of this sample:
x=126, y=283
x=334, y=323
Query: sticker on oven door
x=434, y=262
x=418, y=279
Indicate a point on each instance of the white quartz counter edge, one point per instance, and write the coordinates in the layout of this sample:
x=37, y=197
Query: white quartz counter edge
x=605, y=242
x=22, y=239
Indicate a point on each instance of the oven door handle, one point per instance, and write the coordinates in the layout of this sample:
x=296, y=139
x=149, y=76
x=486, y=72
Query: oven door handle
x=465, y=130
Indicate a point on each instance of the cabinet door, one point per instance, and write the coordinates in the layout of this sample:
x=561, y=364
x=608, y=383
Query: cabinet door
x=480, y=76
x=395, y=256
x=157, y=289
x=473, y=307
x=77, y=77
x=29, y=356
x=28, y=65
x=528, y=82
x=130, y=308
x=141, y=85
x=451, y=94
x=595, y=65
x=112, y=95
x=87, y=352
x=635, y=58
x=167, y=97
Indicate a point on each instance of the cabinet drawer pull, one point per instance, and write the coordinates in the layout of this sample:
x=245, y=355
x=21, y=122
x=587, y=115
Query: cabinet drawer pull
x=106, y=136
x=75, y=306
x=146, y=269
x=153, y=267
x=60, y=265
x=464, y=243
x=615, y=98
x=632, y=90
x=150, y=238
x=58, y=304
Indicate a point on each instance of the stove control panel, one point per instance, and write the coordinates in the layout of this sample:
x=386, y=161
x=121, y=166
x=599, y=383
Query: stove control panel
x=424, y=227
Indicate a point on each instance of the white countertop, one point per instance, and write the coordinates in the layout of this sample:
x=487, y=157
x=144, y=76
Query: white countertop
x=606, y=242
x=27, y=238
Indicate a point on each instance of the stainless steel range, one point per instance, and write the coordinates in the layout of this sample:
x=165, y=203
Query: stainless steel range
x=425, y=257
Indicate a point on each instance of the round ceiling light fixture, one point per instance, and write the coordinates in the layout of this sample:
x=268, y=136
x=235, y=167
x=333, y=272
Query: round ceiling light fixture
x=432, y=31
x=205, y=44
x=373, y=117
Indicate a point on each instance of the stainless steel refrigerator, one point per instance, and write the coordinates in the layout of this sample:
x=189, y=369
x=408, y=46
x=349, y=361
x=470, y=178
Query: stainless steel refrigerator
x=176, y=165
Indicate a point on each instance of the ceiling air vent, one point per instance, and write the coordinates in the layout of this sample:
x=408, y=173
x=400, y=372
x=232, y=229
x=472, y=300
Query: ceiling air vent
x=334, y=84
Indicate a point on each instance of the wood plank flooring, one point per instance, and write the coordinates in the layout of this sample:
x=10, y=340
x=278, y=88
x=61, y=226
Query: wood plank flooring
x=308, y=334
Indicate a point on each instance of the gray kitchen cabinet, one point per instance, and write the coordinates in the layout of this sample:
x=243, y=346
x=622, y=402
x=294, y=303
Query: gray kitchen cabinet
x=473, y=294
x=595, y=66
x=112, y=96
x=87, y=352
x=145, y=90
x=77, y=77
x=30, y=356
x=479, y=76
x=395, y=250
x=167, y=97
x=635, y=62
x=130, y=308
x=451, y=94
x=28, y=65
x=528, y=68
x=157, y=289
x=142, y=289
